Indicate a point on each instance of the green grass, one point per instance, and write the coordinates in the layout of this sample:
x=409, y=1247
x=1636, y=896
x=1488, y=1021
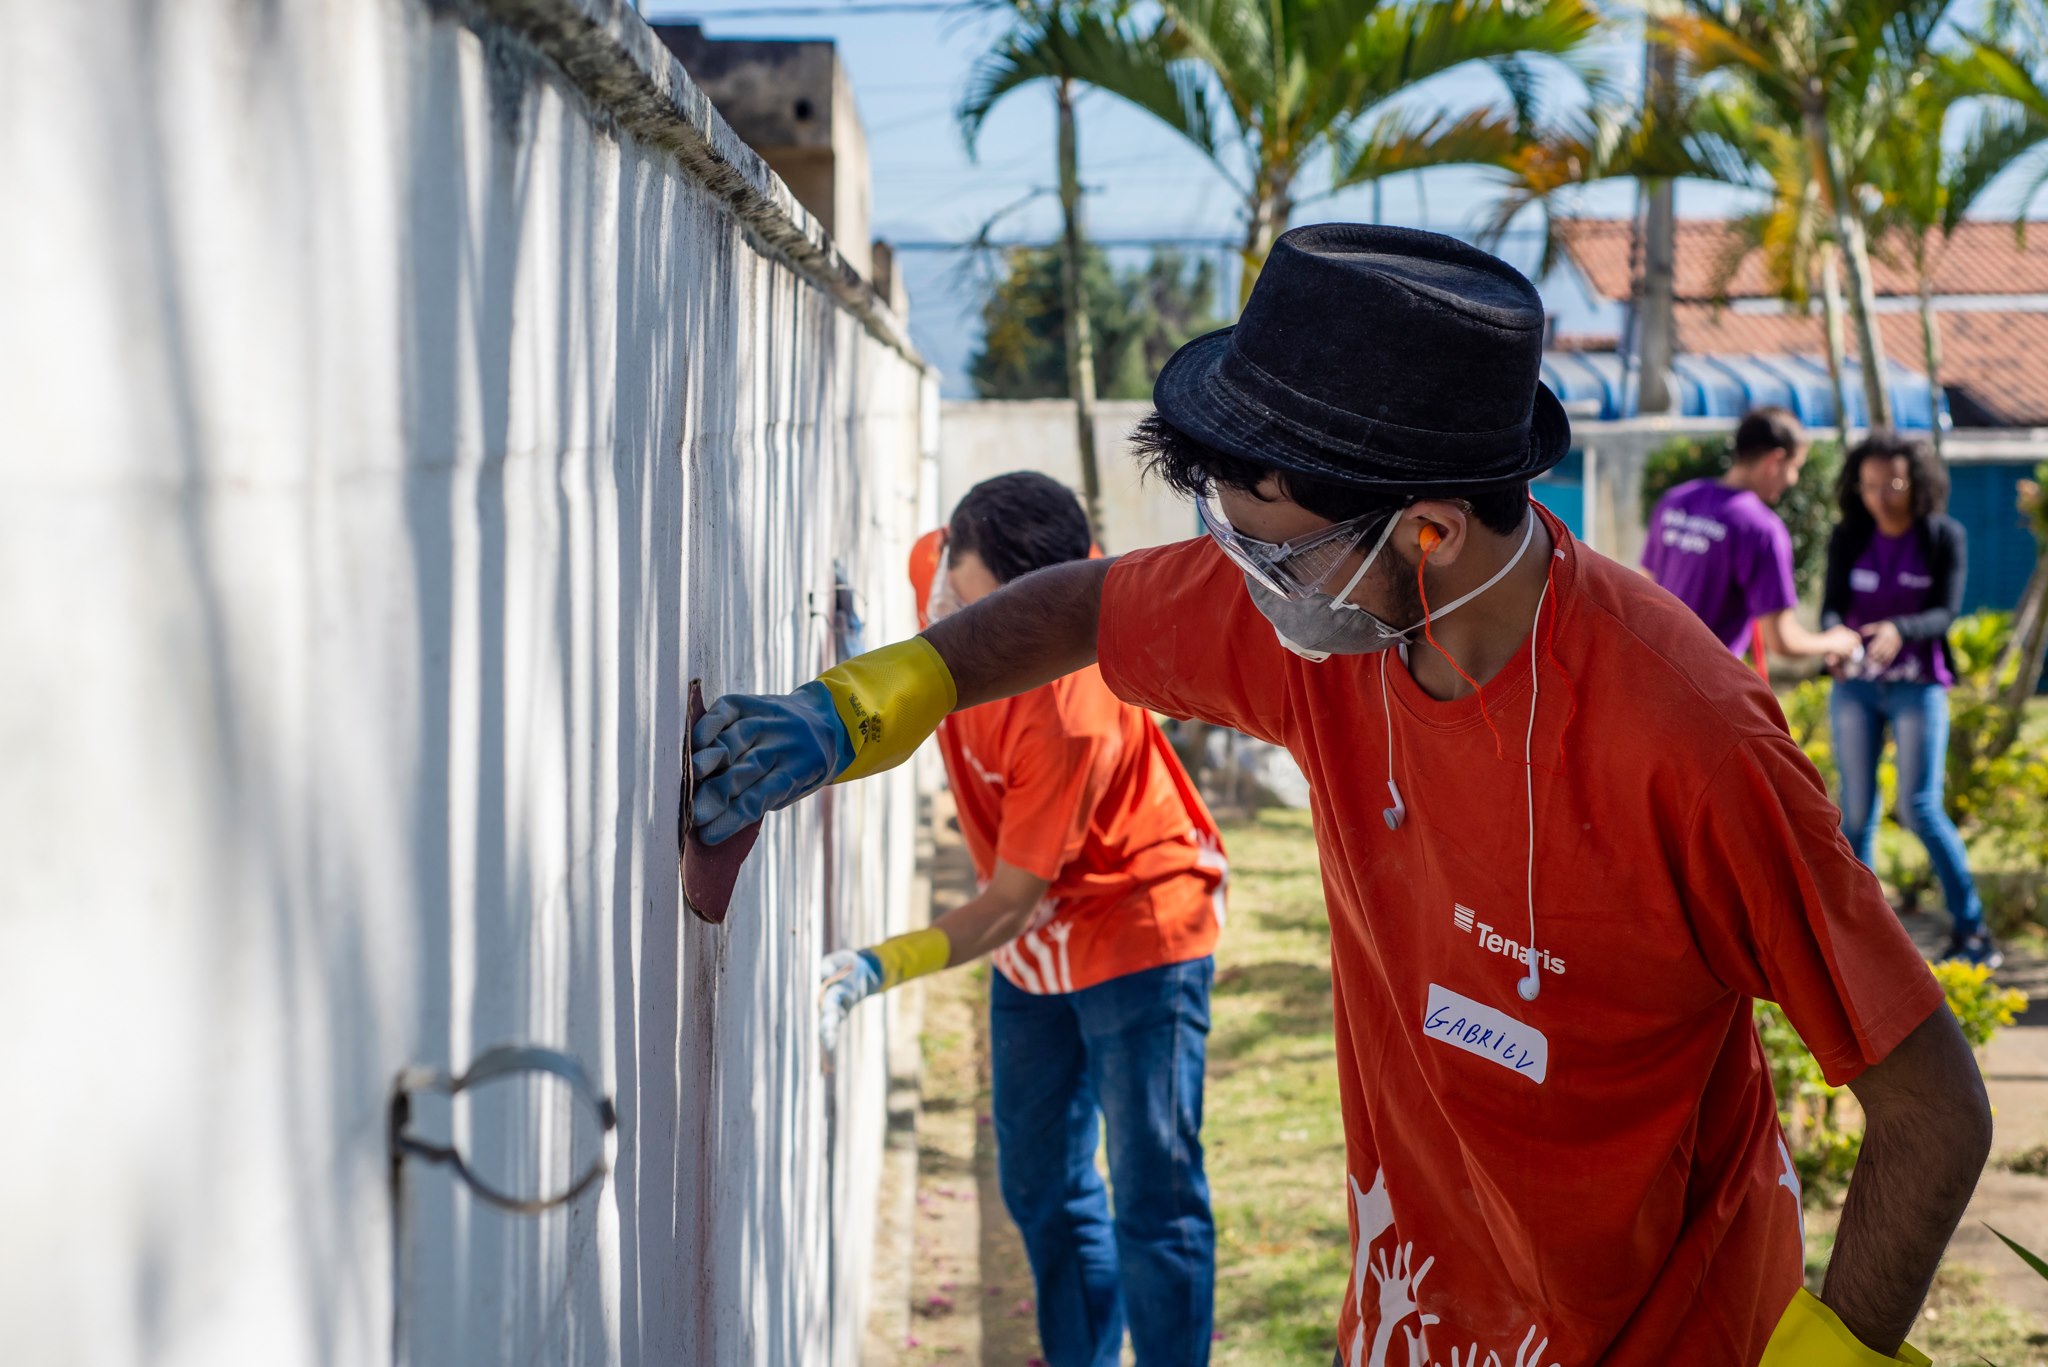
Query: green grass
x=1964, y=1325
x=1272, y=1127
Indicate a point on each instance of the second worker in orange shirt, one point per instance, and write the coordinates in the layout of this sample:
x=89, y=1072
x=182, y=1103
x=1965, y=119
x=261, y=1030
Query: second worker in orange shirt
x=1101, y=877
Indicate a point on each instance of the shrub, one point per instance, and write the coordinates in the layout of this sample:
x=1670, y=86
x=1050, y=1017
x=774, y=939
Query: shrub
x=1808, y=507
x=1982, y=1007
x=1806, y=717
x=1999, y=801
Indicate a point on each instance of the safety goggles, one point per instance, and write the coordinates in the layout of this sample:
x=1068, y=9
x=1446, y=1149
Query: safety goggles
x=1295, y=569
x=940, y=601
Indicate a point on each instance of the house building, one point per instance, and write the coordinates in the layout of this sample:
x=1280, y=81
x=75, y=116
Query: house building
x=1738, y=345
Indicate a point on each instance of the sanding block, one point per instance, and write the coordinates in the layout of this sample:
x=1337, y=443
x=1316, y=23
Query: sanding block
x=709, y=872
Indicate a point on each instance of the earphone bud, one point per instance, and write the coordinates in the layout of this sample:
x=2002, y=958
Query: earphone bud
x=1529, y=986
x=1397, y=813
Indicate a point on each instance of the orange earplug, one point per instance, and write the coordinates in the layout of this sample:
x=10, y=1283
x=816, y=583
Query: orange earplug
x=1431, y=538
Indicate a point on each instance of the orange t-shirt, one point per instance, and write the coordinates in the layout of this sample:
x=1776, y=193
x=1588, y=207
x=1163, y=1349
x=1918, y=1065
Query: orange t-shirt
x=1601, y=1167
x=1069, y=784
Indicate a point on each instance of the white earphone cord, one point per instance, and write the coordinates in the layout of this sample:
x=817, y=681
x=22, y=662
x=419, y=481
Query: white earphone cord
x=1399, y=810
x=1532, y=984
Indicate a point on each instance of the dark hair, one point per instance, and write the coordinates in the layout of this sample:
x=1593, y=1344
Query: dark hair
x=1193, y=468
x=1927, y=476
x=1764, y=430
x=1018, y=523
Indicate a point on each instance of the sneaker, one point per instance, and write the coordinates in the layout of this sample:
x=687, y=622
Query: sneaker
x=1976, y=948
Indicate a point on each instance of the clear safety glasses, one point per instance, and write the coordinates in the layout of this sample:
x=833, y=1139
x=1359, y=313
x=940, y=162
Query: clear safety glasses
x=940, y=601
x=1293, y=569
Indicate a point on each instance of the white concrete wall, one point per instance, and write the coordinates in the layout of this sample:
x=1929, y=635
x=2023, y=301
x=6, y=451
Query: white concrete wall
x=393, y=425
x=979, y=438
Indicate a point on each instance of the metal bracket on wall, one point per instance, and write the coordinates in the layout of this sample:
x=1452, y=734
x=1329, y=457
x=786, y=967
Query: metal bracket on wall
x=504, y=1060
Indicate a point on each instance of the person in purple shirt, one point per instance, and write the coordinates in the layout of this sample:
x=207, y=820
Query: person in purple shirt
x=1896, y=565
x=1716, y=546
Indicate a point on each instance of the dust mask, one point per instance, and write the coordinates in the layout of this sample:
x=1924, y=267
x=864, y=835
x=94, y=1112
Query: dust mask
x=1322, y=624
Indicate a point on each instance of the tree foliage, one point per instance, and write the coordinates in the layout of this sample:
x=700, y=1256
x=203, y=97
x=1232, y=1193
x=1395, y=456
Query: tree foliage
x=1140, y=316
x=1267, y=89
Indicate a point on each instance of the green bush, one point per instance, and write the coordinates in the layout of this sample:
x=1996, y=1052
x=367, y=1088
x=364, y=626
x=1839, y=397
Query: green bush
x=1982, y=1007
x=1998, y=802
x=1823, y=1145
x=1806, y=717
x=1808, y=507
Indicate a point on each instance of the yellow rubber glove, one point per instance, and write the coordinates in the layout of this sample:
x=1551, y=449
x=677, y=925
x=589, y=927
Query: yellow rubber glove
x=889, y=700
x=903, y=957
x=1811, y=1335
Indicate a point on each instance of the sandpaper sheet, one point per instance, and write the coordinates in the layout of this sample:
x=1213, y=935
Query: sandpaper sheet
x=709, y=871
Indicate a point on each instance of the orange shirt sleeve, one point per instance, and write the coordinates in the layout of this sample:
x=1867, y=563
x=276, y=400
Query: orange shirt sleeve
x=1178, y=634
x=1785, y=912
x=1057, y=764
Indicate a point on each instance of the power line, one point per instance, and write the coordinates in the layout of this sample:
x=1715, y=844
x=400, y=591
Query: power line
x=1140, y=240
x=816, y=11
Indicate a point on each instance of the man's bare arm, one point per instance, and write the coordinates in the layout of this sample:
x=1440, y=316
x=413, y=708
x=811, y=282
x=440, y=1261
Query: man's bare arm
x=1786, y=636
x=1926, y=1136
x=1029, y=632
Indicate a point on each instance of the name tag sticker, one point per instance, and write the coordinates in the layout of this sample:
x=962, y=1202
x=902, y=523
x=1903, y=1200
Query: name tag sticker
x=1493, y=1035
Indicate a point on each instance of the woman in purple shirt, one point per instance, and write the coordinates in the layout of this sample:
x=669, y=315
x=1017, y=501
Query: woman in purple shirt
x=1896, y=564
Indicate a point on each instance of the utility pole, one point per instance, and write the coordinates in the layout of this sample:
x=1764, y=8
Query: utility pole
x=1080, y=344
x=1655, y=325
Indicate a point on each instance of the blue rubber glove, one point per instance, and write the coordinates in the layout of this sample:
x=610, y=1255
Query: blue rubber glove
x=752, y=754
x=844, y=977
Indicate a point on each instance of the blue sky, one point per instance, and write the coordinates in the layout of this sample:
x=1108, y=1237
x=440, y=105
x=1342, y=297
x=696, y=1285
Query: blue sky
x=1146, y=183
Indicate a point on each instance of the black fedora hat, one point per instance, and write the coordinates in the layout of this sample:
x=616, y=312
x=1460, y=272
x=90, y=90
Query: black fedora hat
x=1381, y=357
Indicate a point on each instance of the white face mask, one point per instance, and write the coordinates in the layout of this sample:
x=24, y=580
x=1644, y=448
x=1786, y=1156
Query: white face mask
x=1323, y=625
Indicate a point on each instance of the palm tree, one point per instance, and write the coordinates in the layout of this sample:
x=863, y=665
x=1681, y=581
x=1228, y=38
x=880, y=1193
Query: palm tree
x=1926, y=190
x=1268, y=89
x=1725, y=135
x=1807, y=58
x=1063, y=42
x=2015, y=124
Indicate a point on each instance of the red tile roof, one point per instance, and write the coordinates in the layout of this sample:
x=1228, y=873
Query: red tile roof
x=2000, y=359
x=1982, y=258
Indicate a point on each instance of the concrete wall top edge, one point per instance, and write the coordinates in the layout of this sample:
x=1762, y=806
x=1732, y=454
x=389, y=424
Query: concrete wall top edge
x=611, y=55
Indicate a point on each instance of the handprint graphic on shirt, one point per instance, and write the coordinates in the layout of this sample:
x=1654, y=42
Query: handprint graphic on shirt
x=1471, y=1358
x=1527, y=1356
x=1789, y=1180
x=1400, y=1284
x=1375, y=1217
x=1375, y=1211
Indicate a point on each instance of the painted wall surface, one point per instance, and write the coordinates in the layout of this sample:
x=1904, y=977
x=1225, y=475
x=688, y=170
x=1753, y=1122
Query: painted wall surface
x=394, y=426
x=980, y=438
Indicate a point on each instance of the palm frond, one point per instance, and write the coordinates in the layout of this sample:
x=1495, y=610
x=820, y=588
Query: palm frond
x=1235, y=39
x=1987, y=69
x=1414, y=140
x=1402, y=45
x=1095, y=50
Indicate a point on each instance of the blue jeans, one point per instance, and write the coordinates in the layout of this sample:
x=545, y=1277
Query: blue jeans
x=1130, y=1050
x=1918, y=714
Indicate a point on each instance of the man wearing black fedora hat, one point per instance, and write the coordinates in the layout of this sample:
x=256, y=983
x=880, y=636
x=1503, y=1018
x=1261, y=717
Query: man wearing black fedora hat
x=1565, y=840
